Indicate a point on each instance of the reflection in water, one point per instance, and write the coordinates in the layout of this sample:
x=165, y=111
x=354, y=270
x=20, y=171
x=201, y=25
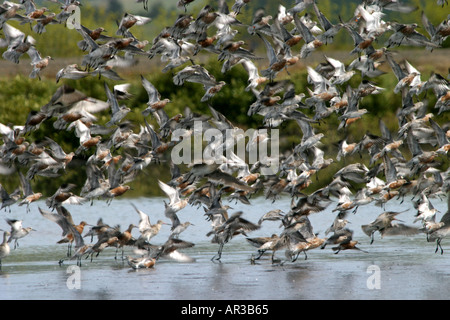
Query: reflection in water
x=409, y=268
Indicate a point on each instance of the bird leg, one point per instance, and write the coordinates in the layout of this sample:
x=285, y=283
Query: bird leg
x=273, y=258
x=294, y=258
x=438, y=245
x=260, y=253
x=219, y=253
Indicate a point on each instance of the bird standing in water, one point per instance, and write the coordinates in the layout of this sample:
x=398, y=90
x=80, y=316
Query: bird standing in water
x=5, y=250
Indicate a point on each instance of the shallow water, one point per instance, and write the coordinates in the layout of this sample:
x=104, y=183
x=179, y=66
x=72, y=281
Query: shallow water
x=405, y=267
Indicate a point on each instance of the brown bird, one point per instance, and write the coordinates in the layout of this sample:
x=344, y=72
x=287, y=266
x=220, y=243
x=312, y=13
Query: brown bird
x=70, y=238
x=116, y=192
x=343, y=239
x=37, y=62
x=125, y=239
x=64, y=219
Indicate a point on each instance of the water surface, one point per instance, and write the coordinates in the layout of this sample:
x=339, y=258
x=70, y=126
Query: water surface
x=407, y=267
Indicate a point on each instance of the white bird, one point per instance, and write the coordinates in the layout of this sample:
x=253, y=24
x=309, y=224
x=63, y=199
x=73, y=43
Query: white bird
x=175, y=204
x=254, y=79
x=340, y=75
x=146, y=229
x=425, y=211
x=5, y=250
x=17, y=231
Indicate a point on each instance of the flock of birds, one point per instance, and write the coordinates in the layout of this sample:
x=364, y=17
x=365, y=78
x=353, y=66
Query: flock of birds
x=116, y=154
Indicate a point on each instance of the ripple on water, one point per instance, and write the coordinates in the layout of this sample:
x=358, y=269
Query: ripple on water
x=408, y=266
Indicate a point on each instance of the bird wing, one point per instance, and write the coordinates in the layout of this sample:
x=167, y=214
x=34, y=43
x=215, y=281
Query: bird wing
x=34, y=55
x=112, y=100
x=13, y=36
x=153, y=95
x=306, y=34
x=15, y=224
x=228, y=180
x=88, y=38
x=399, y=229
x=428, y=25
x=269, y=50
x=398, y=71
x=172, y=193
x=156, y=142
x=440, y=133
x=180, y=257
x=56, y=149
x=26, y=186
x=337, y=65
x=144, y=222
x=324, y=22
x=62, y=221
x=81, y=130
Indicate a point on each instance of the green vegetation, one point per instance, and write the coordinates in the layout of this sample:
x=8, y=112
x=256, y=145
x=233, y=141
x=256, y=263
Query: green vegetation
x=232, y=101
x=61, y=42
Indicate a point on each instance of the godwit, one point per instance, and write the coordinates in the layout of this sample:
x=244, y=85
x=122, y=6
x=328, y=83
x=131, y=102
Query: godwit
x=125, y=239
x=70, y=234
